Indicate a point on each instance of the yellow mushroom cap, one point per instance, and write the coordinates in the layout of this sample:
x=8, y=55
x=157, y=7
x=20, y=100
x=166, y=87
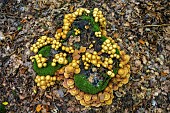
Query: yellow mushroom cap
x=107, y=89
x=52, y=83
x=66, y=75
x=61, y=60
x=43, y=87
x=70, y=82
x=54, y=78
x=106, y=96
x=87, y=97
x=127, y=58
x=40, y=65
x=82, y=102
x=125, y=80
x=43, y=83
x=78, y=97
x=42, y=77
x=121, y=71
x=69, y=69
x=77, y=71
x=108, y=102
x=48, y=77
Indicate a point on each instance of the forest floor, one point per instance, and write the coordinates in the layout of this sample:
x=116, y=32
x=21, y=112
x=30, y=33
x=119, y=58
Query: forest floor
x=141, y=28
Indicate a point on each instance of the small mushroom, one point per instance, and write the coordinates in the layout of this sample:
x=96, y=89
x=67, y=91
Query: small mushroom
x=78, y=97
x=108, y=102
x=77, y=71
x=74, y=91
x=106, y=96
x=87, y=97
x=69, y=69
x=121, y=71
x=70, y=82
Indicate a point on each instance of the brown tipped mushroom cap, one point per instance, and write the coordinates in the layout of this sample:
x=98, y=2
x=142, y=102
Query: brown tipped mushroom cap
x=87, y=97
x=61, y=71
x=70, y=82
x=78, y=97
x=106, y=96
x=125, y=80
x=115, y=87
x=107, y=89
x=69, y=69
x=74, y=91
x=65, y=84
x=94, y=97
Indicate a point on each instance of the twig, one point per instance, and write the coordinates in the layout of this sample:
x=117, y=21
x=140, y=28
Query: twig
x=161, y=25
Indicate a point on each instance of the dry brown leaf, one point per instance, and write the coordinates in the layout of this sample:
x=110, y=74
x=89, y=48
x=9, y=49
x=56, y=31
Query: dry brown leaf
x=115, y=35
x=39, y=107
x=141, y=41
x=76, y=57
x=164, y=74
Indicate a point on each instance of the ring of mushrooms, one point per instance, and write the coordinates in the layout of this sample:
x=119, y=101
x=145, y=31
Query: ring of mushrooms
x=90, y=65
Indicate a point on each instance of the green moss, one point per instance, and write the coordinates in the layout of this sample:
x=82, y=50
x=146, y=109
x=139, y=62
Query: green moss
x=2, y=108
x=117, y=51
x=48, y=70
x=95, y=26
x=84, y=85
x=45, y=51
x=103, y=38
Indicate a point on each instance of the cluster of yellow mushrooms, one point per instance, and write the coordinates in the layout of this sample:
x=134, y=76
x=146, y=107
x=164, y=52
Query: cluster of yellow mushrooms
x=60, y=58
x=42, y=41
x=41, y=61
x=66, y=73
x=45, y=82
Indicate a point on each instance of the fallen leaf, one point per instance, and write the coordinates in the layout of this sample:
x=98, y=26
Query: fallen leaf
x=115, y=35
x=141, y=41
x=23, y=21
x=76, y=57
x=39, y=107
x=5, y=103
x=164, y=74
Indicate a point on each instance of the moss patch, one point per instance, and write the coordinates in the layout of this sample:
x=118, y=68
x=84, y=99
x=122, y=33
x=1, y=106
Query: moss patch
x=95, y=26
x=45, y=51
x=2, y=108
x=83, y=84
x=48, y=70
